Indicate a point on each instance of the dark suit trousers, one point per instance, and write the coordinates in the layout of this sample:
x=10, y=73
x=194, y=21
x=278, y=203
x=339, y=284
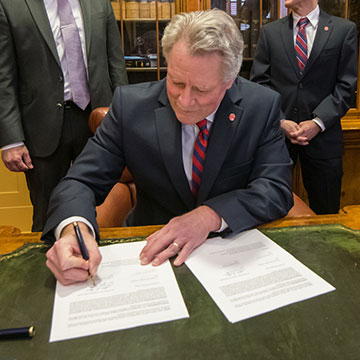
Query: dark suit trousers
x=321, y=178
x=48, y=171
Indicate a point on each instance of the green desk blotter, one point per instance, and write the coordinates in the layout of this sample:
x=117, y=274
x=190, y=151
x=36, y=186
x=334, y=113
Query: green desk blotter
x=324, y=327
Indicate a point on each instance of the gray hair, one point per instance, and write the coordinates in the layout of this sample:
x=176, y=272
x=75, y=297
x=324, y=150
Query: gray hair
x=207, y=32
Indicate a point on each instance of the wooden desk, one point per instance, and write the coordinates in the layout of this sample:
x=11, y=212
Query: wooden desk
x=324, y=327
x=349, y=216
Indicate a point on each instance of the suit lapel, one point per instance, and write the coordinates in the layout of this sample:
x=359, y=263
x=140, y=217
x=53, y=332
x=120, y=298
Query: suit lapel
x=38, y=12
x=169, y=137
x=86, y=13
x=320, y=40
x=220, y=138
x=287, y=37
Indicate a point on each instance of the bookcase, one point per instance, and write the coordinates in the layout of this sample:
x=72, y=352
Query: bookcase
x=142, y=24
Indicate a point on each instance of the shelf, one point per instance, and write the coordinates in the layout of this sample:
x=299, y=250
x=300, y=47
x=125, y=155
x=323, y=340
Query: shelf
x=144, y=69
x=145, y=19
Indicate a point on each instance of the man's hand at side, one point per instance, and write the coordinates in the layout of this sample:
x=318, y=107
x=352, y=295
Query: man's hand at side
x=17, y=158
x=64, y=257
x=181, y=235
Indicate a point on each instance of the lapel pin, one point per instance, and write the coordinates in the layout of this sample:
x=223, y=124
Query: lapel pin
x=326, y=28
x=232, y=117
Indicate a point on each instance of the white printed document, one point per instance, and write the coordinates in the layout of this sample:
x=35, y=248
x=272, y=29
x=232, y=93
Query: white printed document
x=126, y=295
x=250, y=274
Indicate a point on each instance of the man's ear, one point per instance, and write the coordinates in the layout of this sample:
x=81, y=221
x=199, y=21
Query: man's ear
x=229, y=84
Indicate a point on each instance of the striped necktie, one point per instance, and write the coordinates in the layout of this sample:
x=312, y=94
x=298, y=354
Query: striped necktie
x=73, y=55
x=199, y=156
x=301, y=44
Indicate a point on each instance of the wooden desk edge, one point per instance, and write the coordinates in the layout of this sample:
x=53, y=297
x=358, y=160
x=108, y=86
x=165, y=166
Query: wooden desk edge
x=349, y=216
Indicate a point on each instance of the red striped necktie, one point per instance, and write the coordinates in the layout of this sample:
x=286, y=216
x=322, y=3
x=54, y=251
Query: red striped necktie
x=301, y=44
x=199, y=156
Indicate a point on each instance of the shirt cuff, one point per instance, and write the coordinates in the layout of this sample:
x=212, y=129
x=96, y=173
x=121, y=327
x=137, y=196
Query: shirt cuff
x=70, y=220
x=223, y=226
x=11, y=146
x=319, y=122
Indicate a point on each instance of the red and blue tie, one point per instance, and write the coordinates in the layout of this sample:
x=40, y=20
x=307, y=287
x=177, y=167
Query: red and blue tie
x=301, y=44
x=199, y=156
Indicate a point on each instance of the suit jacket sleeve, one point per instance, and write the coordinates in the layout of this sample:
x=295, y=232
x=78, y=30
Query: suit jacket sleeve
x=336, y=104
x=117, y=68
x=11, y=130
x=268, y=194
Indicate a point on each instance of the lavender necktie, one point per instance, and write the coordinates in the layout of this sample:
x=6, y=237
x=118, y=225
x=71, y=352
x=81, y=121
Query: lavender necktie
x=73, y=55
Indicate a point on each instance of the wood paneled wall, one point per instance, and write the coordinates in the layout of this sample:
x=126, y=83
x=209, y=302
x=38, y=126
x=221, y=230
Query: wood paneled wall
x=15, y=205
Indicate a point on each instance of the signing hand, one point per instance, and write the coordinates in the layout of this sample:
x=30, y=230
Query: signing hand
x=180, y=236
x=17, y=159
x=64, y=257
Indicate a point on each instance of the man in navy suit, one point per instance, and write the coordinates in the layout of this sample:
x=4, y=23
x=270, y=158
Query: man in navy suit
x=151, y=128
x=314, y=95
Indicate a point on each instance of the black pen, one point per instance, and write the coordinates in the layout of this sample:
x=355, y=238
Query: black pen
x=17, y=333
x=83, y=249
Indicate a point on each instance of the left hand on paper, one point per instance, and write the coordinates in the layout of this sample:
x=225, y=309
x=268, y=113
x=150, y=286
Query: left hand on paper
x=64, y=257
x=181, y=235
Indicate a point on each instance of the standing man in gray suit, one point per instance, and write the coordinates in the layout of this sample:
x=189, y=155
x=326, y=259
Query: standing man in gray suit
x=59, y=59
x=311, y=58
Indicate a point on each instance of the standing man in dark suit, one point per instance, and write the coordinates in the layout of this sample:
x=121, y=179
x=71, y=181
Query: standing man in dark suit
x=59, y=59
x=314, y=68
x=204, y=156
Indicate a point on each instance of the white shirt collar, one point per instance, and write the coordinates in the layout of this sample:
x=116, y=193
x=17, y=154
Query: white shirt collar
x=313, y=17
x=211, y=116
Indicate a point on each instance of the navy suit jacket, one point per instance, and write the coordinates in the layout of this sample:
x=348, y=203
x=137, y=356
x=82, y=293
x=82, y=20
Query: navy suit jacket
x=247, y=171
x=327, y=85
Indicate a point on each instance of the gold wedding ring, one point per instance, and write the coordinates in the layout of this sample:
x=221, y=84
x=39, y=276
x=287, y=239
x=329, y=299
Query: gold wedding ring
x=176, y=244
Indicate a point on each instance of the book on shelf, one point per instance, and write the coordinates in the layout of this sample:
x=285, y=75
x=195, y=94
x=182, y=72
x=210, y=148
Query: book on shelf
x=143, y=9
x=137, y=61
